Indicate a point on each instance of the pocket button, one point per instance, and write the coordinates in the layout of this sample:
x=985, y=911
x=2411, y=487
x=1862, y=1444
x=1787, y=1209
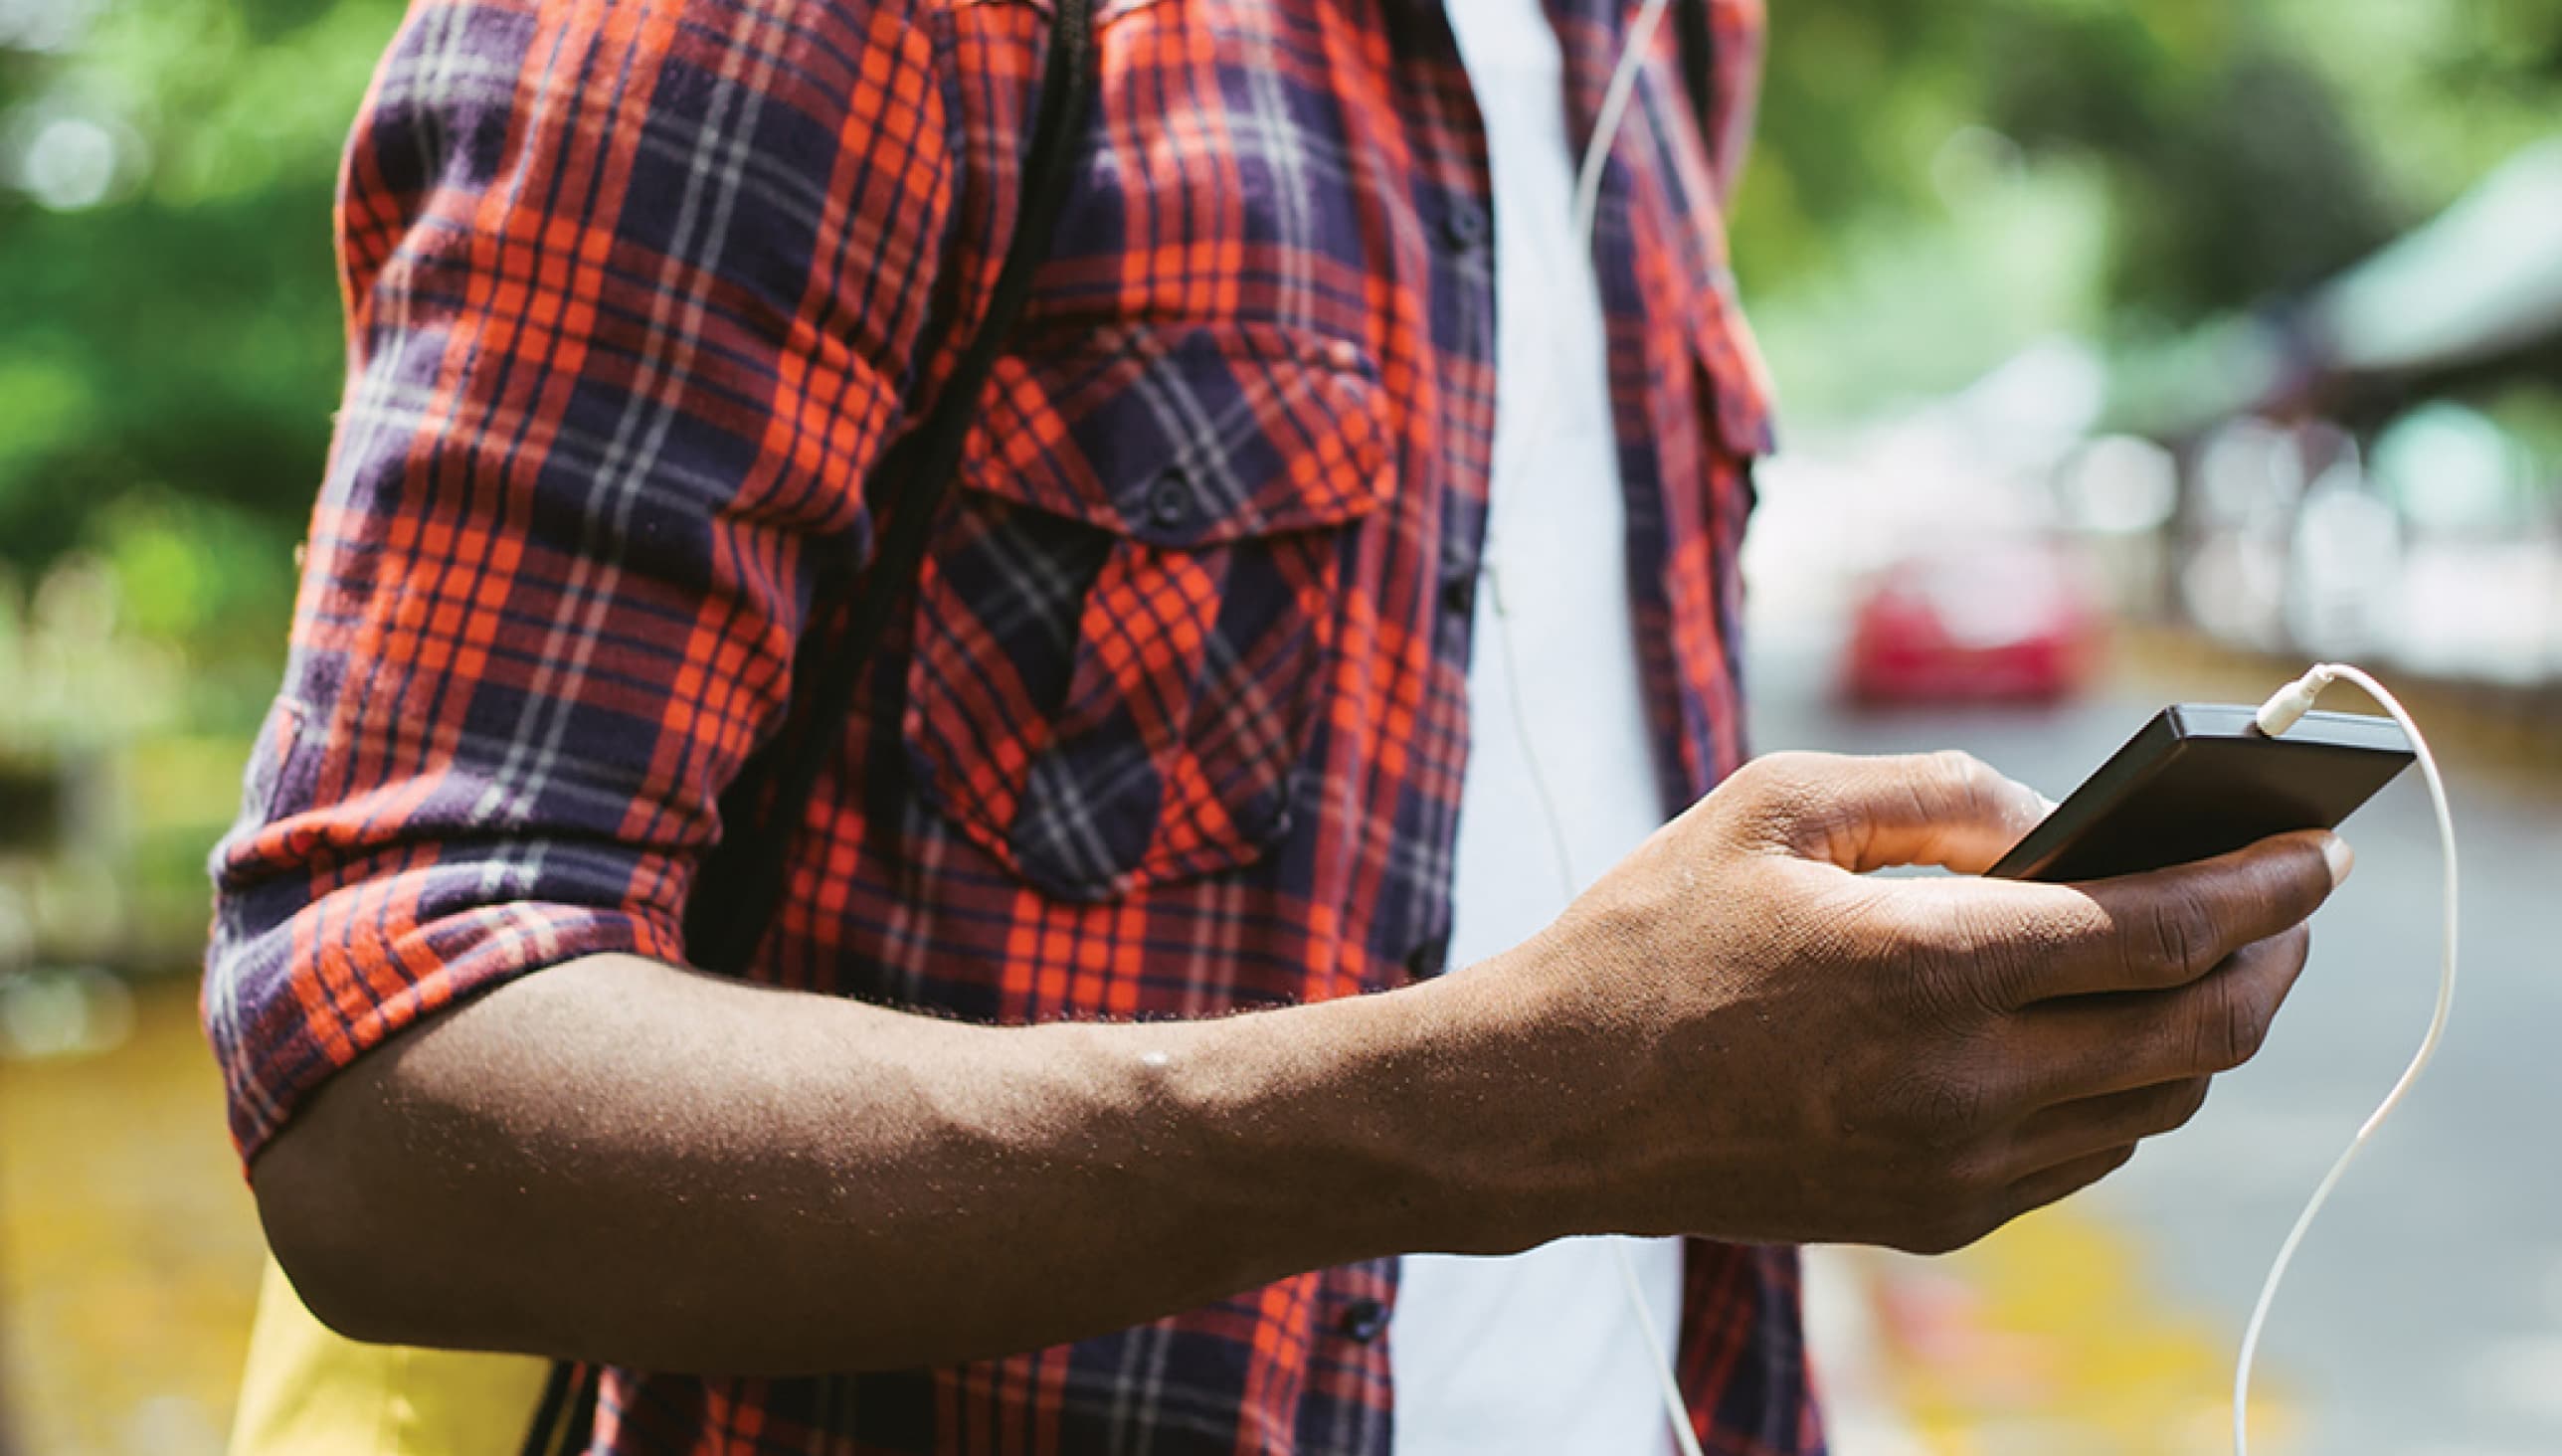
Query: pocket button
x=1170, y=499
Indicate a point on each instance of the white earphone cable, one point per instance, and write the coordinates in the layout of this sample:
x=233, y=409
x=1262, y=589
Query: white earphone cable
x=2279, y=713
x=1676, y=1409
x=1616, y=99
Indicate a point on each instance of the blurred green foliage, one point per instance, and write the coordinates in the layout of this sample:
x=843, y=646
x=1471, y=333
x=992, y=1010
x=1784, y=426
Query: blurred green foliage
x=172, y=352
x=170, y=356
x=1933, y=185
x=1937, y=186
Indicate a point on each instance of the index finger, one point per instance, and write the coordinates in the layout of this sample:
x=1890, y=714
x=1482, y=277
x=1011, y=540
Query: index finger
x=1946, y=808
x=2145, y=931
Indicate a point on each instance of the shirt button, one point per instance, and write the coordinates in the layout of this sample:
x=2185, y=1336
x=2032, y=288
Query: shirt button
x=1363, y=1320
x=1344, y=355
x=1463, y=227
x=1427, y=960
x=1170, y=499
x=1268, y=816
x=1459, y=593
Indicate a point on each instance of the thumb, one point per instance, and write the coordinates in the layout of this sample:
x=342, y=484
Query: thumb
x=1946, y=808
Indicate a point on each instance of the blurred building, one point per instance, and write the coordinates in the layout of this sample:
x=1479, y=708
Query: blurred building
x=2376, y=470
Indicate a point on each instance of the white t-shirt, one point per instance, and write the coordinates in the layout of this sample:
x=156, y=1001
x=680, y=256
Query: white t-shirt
x=1537, y=1353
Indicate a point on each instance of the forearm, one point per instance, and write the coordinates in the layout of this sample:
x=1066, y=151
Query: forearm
x=622, y=1161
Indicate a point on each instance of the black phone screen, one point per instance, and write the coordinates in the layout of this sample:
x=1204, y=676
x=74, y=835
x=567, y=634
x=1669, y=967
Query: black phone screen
x=2202, y=780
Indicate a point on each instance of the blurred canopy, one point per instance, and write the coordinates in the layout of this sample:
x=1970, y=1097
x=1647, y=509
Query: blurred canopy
x=1934, y=185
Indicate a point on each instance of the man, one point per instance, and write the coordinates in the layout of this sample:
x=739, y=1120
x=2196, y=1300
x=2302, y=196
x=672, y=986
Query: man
x=976, y=1155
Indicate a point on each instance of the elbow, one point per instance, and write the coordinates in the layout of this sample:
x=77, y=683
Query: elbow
x=385, y=1241
x=312, y=1208
x=403, y=1210
x=390, y=1234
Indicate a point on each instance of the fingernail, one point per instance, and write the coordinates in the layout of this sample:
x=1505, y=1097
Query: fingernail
x=2341, y=858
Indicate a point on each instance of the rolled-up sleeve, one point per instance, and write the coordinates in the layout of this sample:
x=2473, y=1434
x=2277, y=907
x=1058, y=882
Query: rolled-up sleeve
x=631, y=291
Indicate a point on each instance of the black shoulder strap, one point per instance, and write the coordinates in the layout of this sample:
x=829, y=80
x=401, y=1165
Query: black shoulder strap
x=1697, y=38
x=737, y=890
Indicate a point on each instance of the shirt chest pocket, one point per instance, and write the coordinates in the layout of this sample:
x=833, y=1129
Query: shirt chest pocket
x=1127, y=615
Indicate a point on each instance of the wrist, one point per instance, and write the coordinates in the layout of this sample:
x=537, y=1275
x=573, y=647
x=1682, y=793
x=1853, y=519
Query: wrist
x=1423, y=1119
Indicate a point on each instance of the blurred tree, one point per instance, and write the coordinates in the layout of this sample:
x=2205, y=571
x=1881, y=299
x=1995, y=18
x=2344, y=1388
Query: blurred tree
x=2237, y=151
x=2237, y=175
x=165, y=267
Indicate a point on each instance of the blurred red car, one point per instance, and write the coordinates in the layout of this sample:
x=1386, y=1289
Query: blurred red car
x=2003, y=622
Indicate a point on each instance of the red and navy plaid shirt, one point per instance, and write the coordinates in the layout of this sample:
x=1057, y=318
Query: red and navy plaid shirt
x=636, y=294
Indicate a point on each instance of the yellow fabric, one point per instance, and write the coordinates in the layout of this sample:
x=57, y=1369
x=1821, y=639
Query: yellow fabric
x=308, y=1391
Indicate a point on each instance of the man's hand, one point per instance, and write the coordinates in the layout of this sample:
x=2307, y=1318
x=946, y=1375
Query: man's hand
x=1762, y=1044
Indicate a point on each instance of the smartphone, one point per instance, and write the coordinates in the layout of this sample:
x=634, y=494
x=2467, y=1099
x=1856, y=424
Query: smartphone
x=2201, y=780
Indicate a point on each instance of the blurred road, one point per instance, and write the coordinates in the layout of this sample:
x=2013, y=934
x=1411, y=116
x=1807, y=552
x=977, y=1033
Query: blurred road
x=2424, y=1314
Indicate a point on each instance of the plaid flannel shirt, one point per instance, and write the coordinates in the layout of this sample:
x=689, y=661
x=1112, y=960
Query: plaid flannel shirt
x=637, y=292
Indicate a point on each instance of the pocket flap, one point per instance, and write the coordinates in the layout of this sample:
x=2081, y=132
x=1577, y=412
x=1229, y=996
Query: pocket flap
x=1187, y=435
